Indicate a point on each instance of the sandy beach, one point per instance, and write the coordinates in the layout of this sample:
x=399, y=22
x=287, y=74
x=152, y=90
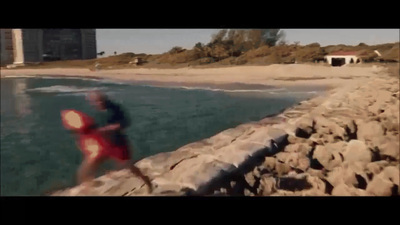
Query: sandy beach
x=273, y=75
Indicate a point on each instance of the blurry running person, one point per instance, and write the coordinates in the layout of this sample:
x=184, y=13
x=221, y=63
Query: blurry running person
x=112, y=129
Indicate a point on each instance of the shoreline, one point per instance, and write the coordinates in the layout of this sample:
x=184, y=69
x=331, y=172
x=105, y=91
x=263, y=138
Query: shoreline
x=297, y=77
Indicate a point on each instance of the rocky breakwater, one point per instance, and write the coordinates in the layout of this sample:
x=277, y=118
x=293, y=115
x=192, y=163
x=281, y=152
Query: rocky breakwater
x=346, y=143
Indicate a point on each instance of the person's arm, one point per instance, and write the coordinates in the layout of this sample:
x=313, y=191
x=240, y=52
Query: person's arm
x=110, y=127
x=120, y=121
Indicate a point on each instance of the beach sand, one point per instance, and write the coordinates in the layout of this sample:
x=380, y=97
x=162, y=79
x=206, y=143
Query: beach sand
x=273, y=75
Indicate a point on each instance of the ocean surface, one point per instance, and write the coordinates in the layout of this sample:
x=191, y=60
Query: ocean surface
x=38, y=155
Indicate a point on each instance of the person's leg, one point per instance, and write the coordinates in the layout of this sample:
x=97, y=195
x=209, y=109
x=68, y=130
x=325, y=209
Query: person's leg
x=125, y=161
x=136, y=172
x=88, y=168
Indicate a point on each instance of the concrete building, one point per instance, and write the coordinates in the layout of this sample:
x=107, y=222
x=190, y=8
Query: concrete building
x=6, y=45
x=89, y=45
x=21, y=46
x=340, y=58
x=69, y=44
x=27, y=45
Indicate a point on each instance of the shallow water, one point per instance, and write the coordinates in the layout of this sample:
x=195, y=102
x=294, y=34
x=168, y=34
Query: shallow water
x=39, y=155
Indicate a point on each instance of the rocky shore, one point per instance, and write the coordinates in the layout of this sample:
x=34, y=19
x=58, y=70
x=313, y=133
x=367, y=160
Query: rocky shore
x=345, y=143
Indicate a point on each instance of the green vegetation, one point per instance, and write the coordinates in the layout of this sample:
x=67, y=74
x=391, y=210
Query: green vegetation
x=236, y=47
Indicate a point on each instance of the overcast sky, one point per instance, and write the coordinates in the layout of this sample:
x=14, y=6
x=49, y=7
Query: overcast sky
x=154, y=41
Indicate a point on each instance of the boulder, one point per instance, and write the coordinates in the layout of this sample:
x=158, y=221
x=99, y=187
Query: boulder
x=390, y=123
x=250, y=179
x=302, y=148
x=339, y=147
x=282, y=168
x=315, y=173
x=303, y=163
x=384, y=96
x=316, y=140
x=331, y=138
x=380, y=186
x=293, y=159
x=357, y=151
x=368, y=130
x=390, y=148
x=267, y=186
x=376, y=167
x=317, y=185
x=348, y=124
x=305, y=127
x=328, y=127
x=328, y=160
x=391, y=173
x=350, y=174
x=377, y=108
x=282, y=156
x=295, y=140
x=344, y=190
x=269, y=163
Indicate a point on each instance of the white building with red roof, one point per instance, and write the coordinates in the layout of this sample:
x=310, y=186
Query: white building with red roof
x=342, y=57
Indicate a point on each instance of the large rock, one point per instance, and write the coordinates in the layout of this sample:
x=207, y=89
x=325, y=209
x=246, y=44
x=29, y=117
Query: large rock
x=303, y=163
x=318, y=186
x=384, y=96
x=195, y=173
x=350, y=174
x=377, y=108
x=301, y=148
x=293, y=159
x=327, y=159
x=295, y=140
x=267, y=186
x=327, y=126
x=390, y=148
x=305, y=127
x=269, y=163
x=336, y=147
x=391, y=173
x=282, y=156
x=316, y=173
x=357, y=151
x=344, y=190
x=347, y=123
x=250, y=179
x=282, y=168
x=375, y=168
x=162, y=162
x=390, y=123
x=380, y=186
x=368, y=130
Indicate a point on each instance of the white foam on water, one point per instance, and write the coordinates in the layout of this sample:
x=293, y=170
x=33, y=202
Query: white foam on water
x=219, y=90
x=63, y=89
x=18, y=76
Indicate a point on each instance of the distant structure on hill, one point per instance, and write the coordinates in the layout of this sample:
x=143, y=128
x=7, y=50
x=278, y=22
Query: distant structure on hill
x=340, y=58
x=21, y=46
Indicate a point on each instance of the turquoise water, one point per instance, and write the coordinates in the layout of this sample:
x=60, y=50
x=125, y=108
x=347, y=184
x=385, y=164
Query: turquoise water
x=38, y=155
